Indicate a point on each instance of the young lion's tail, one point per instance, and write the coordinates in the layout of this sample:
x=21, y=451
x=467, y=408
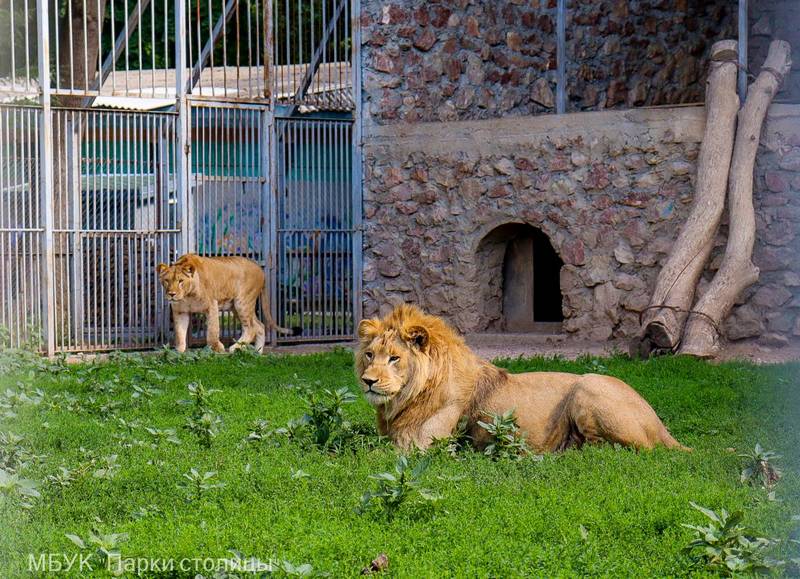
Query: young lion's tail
x=269, y=322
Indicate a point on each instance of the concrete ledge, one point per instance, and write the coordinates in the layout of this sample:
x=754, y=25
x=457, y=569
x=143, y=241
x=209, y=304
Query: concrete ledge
x=782, y=125
x=671, y=124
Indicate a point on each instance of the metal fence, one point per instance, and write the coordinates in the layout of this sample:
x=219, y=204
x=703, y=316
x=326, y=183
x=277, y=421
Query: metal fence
x=121, y=148
x=315, y=233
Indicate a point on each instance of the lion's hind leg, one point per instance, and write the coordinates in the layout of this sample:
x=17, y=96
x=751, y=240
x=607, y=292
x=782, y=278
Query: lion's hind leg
x=603, y=408
x=252, y=328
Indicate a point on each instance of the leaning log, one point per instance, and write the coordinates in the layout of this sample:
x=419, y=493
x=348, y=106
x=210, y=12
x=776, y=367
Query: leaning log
x=663, y=320
x=737, y=271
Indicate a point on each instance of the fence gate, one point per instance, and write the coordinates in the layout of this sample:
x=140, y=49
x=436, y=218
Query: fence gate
x=314, y=278
x=121, y=148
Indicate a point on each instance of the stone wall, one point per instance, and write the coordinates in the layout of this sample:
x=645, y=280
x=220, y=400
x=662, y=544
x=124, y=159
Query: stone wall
x=626, y=53
x=771, y=19
x=611, y=190
x=446, y=60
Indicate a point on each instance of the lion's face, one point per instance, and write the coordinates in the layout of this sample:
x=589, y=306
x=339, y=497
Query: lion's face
x=385, y=368
x=387, y=360
x=177, y=280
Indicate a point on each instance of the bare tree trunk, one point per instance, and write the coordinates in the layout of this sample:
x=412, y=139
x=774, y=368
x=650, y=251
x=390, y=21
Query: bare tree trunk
x=737, y=271
x=78, y=52
x=663, y=320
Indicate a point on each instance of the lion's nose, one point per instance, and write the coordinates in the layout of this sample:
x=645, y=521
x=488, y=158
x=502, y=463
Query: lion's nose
x=171, y=294
x=369, y=382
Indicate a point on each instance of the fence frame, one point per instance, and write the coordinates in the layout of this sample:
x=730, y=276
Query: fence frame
x=46, y=176
x=61, y=245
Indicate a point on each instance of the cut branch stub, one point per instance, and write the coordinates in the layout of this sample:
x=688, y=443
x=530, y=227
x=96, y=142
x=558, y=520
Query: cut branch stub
x=663, y=320
x=737, y=271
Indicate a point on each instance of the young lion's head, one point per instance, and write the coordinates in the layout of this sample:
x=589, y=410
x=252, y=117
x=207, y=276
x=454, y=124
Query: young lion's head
x=177, y=279
x=399, y=354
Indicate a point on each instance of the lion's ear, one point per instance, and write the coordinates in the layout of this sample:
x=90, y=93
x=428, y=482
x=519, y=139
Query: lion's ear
x=188, y=269
x=368, y=329
x=417, y=337
x=162, y=268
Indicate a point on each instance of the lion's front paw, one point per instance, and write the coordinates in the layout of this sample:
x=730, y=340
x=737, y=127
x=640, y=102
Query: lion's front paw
x=217, y=347
x=235, y=346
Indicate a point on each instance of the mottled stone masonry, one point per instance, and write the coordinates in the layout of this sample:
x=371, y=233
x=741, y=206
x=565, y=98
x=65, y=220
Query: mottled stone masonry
x=610, y=189
x=446, y=60
x=626, y=53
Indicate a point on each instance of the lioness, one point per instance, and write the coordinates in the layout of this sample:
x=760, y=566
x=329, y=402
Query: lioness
x=422, y=378
x=209, y=285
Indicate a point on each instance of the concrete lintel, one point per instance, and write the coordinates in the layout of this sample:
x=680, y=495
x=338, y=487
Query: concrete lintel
x=673, y=124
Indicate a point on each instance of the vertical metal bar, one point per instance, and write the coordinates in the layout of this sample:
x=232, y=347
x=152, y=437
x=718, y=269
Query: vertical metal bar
x=13, y=44
x=269, y=193
x=743, y=45
x=75, y=165
x=268, y=68
x=183, y=157
x=356, y=177
x=46, y=174
x=561, y=57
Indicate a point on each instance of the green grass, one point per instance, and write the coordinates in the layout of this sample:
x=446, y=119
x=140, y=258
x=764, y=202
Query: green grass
x=504, y=518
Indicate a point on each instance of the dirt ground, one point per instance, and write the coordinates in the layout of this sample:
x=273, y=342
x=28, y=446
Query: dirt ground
x=491, y=346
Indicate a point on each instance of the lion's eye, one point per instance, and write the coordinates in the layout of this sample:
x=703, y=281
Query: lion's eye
x=368, y=355
x=180, y=284
x=393, y=359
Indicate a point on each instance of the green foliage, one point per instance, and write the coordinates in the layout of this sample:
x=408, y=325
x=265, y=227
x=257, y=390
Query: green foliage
x=63, y=478
x=102, y=547
x=631, y=505
x=14, y=454
x=394, y=489
x=17, y=490
x=238, y=566
x=725, y=546
x=196, y=484
x=160, y=435
x=202, y=422
x=324, y=416
x=109, y=469
x=759, y=469
x=508, y=441
x=455, y=444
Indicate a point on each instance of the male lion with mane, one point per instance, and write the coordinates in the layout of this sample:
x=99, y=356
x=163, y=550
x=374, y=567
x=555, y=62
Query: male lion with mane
x=209, y=285
x=422, y=378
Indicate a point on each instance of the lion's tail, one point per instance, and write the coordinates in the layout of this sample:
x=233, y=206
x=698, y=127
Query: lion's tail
x=269, y=322
x=669, y=441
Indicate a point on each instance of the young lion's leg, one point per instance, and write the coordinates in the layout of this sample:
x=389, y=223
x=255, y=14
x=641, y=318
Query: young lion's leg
x=261, y=335
x=212, y=328
x=180, y=320
x=252, y=328
x=440, y=425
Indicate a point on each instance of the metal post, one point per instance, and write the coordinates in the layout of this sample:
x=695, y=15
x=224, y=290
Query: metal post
x=561, y=57
x=357, y=183
x=183, y=156
x=743, y=33
x=270, y=191
x=46, y=174
x=268, y=55
x=76, y=271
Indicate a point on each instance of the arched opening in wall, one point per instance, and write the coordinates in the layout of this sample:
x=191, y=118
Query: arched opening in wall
x=519, y=280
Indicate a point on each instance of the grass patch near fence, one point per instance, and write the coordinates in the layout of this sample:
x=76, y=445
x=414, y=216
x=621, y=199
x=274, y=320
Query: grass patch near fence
x=596, y=511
